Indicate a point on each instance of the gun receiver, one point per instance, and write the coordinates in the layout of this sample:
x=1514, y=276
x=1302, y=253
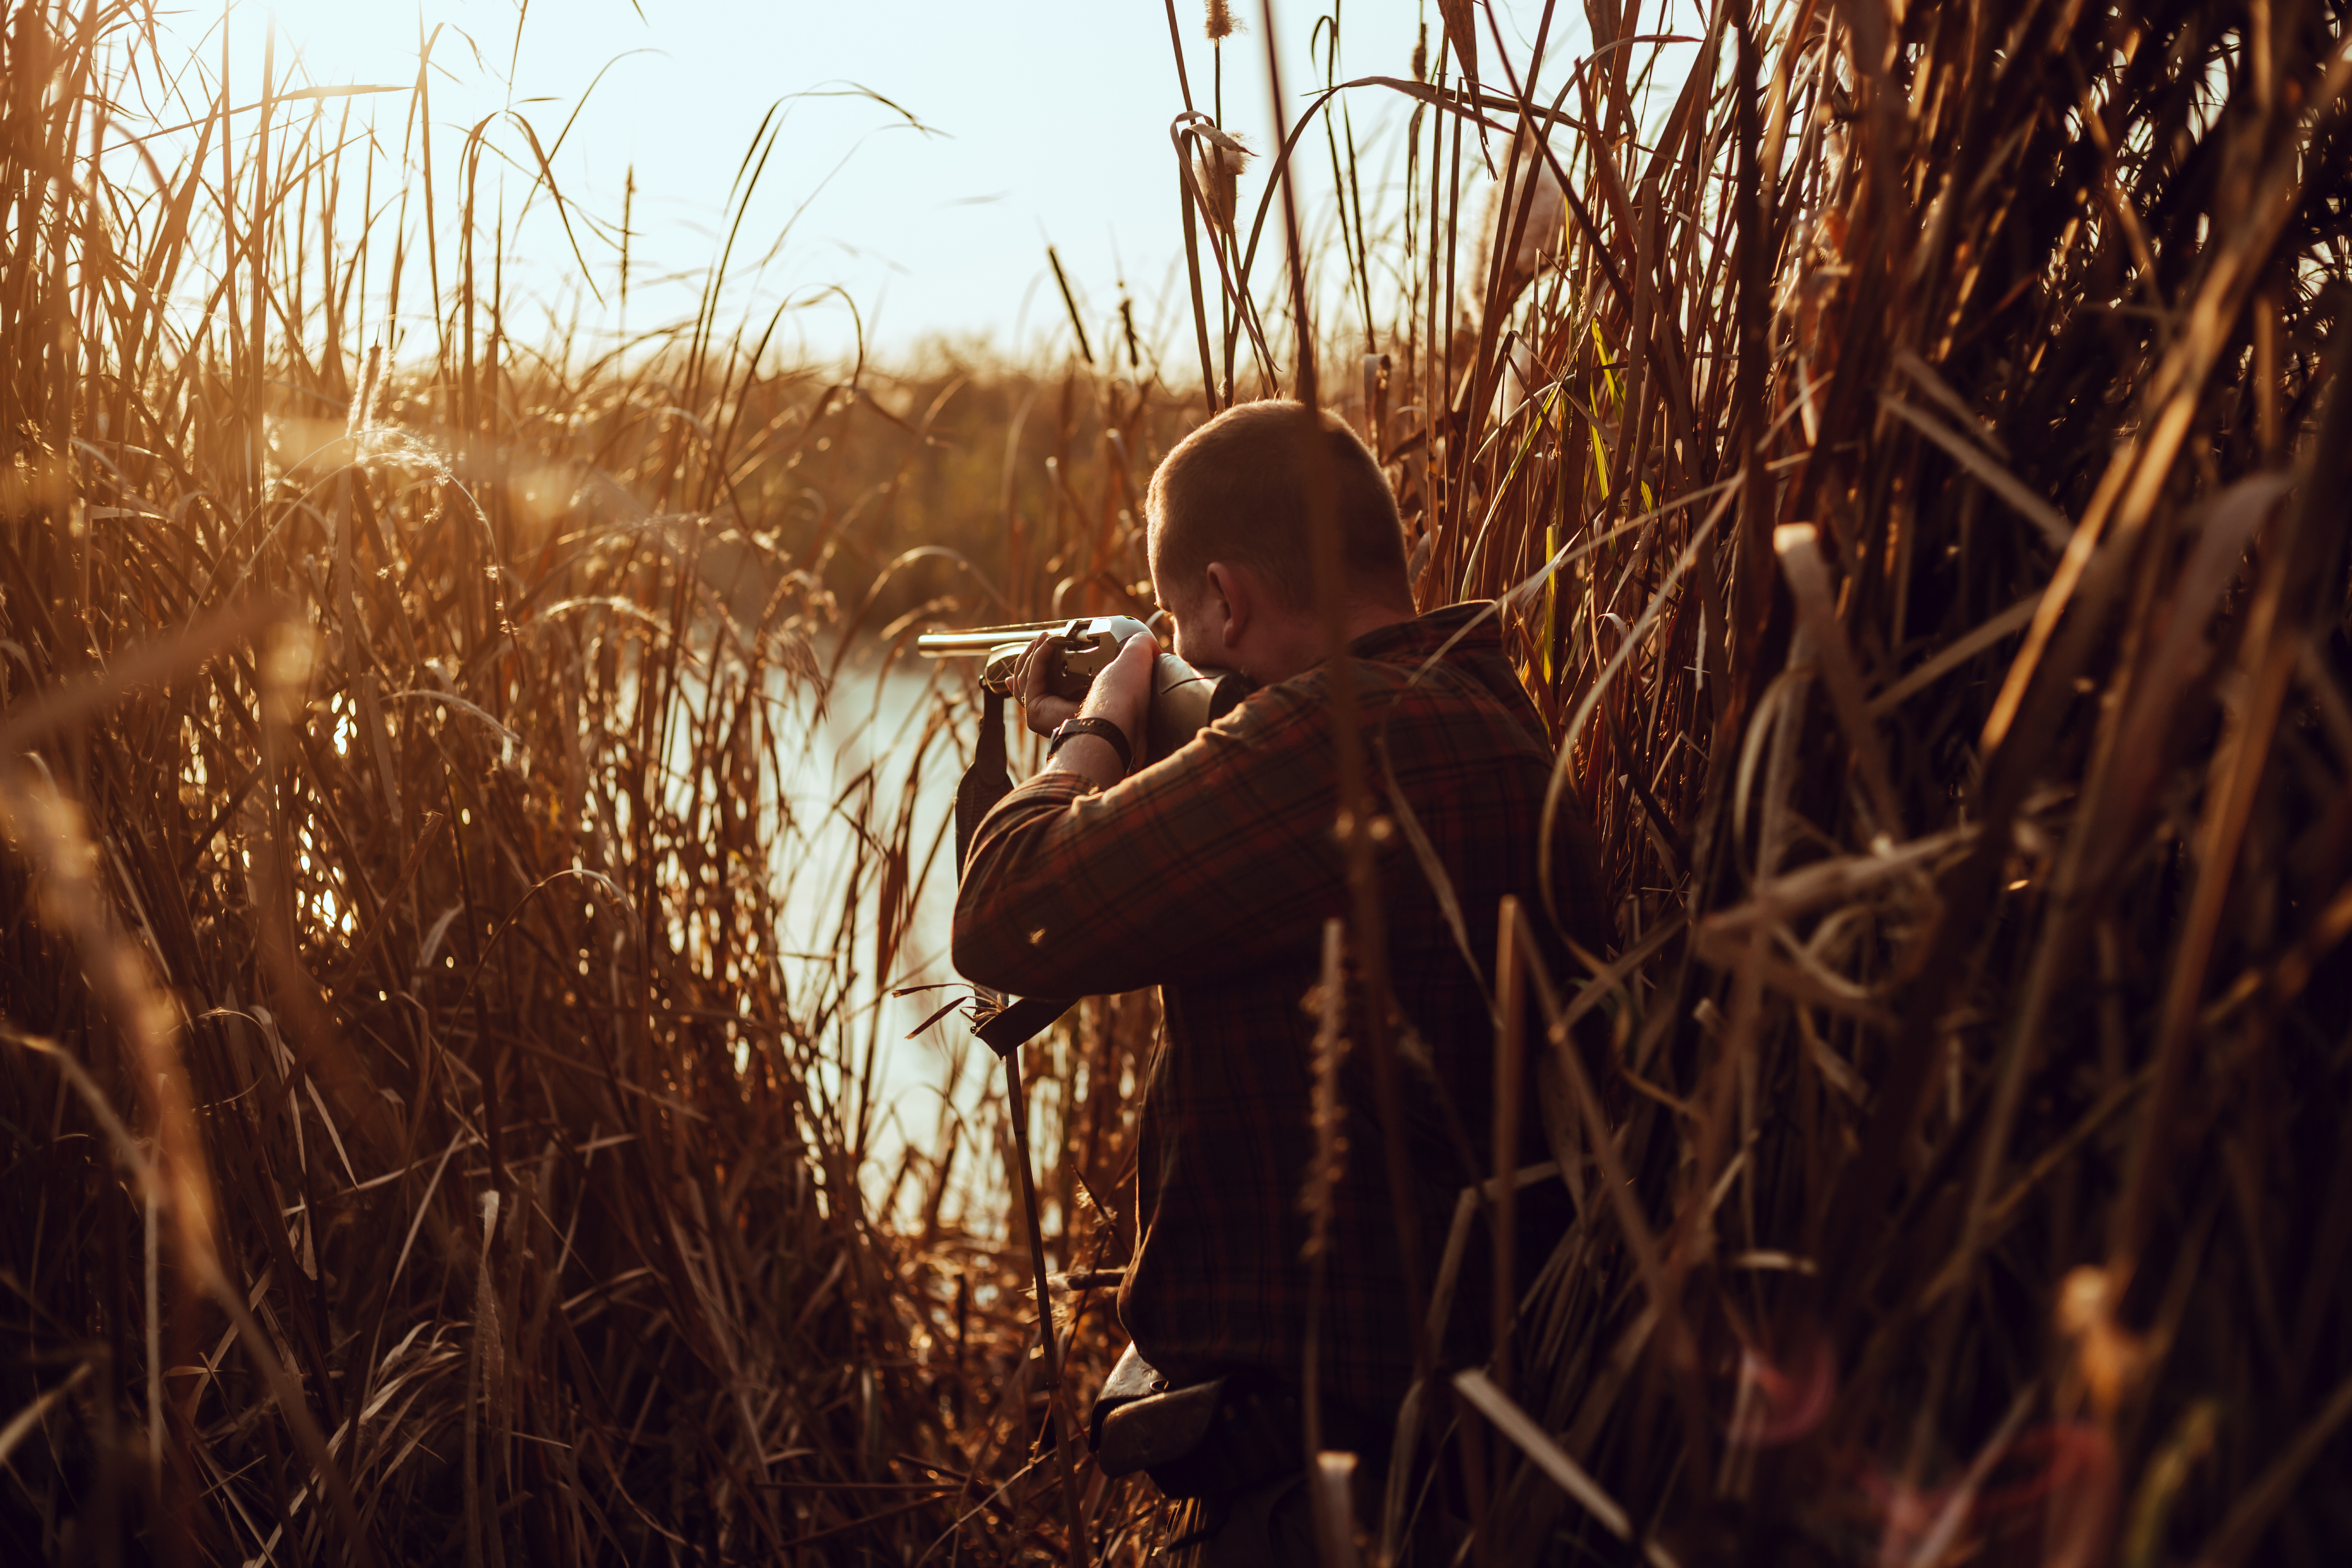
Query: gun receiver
x=1184, y=700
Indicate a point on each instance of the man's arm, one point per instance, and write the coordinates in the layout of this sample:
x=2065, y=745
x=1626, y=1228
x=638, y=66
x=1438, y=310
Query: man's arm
x=1211, y=859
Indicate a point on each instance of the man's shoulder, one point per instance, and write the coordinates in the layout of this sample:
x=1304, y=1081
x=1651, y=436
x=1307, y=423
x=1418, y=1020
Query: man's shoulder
x=1449, y=668
x=1465, y=714
x=1443, y=674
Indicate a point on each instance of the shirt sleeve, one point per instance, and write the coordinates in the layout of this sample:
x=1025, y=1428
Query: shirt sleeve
x=1213, y=860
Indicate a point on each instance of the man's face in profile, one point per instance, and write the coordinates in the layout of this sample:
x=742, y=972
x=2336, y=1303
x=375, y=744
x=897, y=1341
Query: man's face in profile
x=1194, y=641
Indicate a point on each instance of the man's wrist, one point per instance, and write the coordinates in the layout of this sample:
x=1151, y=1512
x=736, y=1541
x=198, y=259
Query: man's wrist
x=1109, y=729
x=1090, y=757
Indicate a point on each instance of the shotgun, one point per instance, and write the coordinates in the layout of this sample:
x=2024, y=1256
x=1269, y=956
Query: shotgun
x=1184, y=700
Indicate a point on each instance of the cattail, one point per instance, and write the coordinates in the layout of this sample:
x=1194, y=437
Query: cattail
x=1217, y=158
x=1222, y=24
x=1543, y=235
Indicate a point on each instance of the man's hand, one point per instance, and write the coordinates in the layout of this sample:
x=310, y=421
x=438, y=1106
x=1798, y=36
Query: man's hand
x=1122, y=694
x=1040, y=708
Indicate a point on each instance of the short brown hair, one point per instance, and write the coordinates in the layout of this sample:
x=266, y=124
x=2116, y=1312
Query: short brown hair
x=1233, y=491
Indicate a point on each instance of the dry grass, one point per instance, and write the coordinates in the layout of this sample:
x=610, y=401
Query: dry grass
x=441, y=1080
x=439, y=985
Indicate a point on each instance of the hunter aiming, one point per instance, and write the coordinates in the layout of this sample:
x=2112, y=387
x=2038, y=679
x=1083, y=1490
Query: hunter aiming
x=1211, y=872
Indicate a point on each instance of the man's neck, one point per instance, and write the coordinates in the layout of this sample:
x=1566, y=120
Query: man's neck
x=1304, y=645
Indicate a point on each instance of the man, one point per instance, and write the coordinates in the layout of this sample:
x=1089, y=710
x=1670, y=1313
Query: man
x=1211, y=872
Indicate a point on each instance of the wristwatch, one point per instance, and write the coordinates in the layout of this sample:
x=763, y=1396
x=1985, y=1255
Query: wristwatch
x=1101, y=729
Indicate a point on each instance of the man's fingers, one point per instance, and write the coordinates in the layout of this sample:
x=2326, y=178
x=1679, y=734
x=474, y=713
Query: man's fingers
x=1041, y=710
x=1133, y=665
x=1029, y=675
x=1122, y=693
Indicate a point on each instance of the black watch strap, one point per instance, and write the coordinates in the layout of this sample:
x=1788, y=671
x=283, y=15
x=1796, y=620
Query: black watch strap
x=1101, y=728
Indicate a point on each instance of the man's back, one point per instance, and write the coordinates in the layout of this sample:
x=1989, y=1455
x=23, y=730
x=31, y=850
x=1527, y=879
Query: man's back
x=1212, y=874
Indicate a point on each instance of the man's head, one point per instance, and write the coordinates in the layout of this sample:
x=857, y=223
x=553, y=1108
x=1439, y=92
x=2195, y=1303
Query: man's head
x=1231, y=557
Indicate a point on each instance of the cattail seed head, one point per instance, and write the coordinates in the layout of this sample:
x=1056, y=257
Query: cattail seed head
x=1217, y=159
x=1222, y=24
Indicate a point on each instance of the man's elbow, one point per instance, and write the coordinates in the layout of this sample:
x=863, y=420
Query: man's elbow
x=990, y=948
x=1013, y=930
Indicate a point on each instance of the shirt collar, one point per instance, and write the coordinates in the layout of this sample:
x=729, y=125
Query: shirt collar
x=1422, y=636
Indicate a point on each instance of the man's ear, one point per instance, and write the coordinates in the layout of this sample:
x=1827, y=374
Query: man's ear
x=1235, y=602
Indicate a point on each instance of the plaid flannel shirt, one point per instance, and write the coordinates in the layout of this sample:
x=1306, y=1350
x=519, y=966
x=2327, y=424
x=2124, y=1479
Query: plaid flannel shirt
x=1210, y=873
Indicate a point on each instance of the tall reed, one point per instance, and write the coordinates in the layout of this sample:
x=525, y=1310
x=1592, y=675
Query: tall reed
x=1903, y=446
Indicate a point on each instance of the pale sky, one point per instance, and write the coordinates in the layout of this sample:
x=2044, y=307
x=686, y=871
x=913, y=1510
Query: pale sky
x=1049, y=122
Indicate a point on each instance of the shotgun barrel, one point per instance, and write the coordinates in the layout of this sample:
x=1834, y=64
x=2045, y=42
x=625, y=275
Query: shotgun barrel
x=954, y=645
